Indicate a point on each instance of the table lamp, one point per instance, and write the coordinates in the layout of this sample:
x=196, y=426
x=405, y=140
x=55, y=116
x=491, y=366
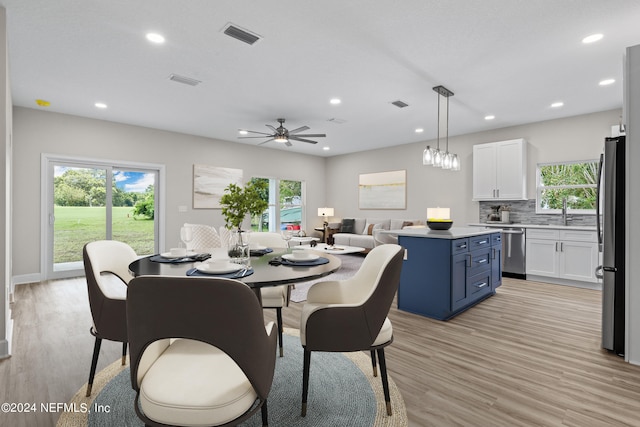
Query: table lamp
x=325, y=213
x=439, y=218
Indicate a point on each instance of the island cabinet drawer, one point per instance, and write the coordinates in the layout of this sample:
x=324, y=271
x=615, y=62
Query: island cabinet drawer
x=543, y=234
x=578, y=235
x=478, y=242
x=479, y=285
x=479, y=261
x=459, y=246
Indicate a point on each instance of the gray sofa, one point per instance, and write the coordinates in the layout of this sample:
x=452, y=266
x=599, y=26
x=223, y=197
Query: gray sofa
x=364, y=229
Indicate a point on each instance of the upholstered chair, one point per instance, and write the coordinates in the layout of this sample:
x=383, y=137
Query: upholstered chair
x=380, y=238
x=106, y=266
x=205, y=237
x=274, y=297
x=351, y=314
x=200, y=352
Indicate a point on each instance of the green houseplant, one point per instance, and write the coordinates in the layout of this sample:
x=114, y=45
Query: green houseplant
x=238, y=201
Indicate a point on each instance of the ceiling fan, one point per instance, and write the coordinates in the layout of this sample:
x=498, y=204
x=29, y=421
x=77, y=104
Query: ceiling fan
x=282, y=134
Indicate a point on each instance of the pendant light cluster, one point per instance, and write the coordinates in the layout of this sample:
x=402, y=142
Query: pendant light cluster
x=433, y=156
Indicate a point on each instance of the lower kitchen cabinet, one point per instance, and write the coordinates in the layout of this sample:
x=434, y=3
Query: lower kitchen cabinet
x=562, y=254
x=443, y=277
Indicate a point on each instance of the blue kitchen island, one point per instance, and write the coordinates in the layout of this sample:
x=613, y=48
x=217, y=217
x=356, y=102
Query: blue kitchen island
x=447, y=272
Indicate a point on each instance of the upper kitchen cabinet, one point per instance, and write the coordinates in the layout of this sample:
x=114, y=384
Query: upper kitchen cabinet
x=500, y=170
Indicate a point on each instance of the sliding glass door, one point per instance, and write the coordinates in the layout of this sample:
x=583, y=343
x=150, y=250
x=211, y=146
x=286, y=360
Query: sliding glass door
x=88, y=201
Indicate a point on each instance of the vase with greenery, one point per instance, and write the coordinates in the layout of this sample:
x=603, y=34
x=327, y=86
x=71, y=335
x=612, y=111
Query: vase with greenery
x=236, y=203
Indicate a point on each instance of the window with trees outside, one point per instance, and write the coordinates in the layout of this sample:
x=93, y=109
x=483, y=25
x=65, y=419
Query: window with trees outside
x=574, y=181
x=286, y=206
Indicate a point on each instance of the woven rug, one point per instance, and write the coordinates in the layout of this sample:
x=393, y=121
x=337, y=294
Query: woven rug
x=342, y=392
x=350, y=265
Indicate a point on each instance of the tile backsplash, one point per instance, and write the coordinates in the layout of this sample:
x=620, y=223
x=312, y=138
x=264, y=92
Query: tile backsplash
x=524, y=212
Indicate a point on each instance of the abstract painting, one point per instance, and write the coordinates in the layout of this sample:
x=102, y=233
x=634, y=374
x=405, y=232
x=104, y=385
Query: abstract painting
x=383, y=190
x=209, y=183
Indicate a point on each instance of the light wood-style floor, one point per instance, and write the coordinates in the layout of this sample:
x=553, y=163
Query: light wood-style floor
x=528, y=356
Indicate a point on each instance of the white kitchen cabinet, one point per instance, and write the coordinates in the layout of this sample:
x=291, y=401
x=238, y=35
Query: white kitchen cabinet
x=500, y=170
x=564, y=254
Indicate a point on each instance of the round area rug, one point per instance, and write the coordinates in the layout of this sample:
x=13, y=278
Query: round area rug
x=342, y=392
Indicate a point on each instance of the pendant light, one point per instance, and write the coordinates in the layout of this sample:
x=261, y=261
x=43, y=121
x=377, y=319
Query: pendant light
x=433, y=156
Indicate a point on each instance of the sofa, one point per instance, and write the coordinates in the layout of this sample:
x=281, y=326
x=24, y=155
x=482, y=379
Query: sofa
x=360, y=231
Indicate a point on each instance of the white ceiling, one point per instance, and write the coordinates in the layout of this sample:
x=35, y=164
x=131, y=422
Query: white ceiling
x=510, y=58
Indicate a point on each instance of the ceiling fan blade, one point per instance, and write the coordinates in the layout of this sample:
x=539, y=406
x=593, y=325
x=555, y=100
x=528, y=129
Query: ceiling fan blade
x=261, y=133
x=272, y=128
x=295, y=138
x=265, y=136
x=264, y=142
x=288, y=144
x=300, y=129
x=314, y=135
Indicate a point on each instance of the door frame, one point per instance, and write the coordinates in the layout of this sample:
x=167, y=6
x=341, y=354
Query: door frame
x=46, y=202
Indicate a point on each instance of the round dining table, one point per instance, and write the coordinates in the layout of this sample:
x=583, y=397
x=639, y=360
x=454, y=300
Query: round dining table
x=264, y=273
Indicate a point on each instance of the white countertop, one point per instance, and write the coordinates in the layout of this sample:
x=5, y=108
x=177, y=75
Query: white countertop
x=452, y=233
x=550, y=226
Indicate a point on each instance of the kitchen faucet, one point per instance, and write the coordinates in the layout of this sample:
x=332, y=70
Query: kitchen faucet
x=565, y=218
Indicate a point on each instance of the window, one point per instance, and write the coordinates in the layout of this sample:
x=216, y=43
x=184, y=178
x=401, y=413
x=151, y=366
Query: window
x=574, y=181
x=286, y=206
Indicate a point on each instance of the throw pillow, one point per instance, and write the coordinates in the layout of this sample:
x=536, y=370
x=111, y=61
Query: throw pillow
x=347, y=225
x=370, y=229
x=406, y=223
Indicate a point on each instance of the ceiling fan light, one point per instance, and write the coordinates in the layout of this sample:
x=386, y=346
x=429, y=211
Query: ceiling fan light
x=281, y=138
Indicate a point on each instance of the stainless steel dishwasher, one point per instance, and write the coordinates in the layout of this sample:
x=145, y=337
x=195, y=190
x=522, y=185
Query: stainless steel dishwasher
x=513, y=252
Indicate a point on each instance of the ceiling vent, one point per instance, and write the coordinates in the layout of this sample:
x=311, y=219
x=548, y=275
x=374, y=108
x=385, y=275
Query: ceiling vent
x=337, y=121
x=400, y=104
x=185, y=80
x=240, y=34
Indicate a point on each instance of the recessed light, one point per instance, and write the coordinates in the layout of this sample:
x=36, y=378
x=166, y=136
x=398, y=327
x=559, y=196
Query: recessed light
x=243, y=132
x=335, y=101
x=326, y=148
x=557, y=104
x=155, y=38
x=489, y=117
x=607, y=82
x=419, y=130
x=100, y=105
x=592, y=38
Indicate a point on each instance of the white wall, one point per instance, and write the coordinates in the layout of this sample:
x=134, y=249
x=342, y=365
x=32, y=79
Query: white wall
x=37, y=132
x=574, y=138
x=632, y=351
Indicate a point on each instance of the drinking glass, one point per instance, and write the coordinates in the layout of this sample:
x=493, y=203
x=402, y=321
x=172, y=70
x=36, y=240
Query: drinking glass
x=286, y=235
x=186, y=235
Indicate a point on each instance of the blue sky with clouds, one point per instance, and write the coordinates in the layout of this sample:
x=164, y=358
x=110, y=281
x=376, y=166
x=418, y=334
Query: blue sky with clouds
x=128, y=181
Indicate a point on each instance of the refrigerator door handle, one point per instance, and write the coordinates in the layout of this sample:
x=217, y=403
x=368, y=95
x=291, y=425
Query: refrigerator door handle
x=598, y=195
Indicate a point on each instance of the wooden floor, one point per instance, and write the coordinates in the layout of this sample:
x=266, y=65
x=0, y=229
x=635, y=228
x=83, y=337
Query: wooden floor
x=528, y=356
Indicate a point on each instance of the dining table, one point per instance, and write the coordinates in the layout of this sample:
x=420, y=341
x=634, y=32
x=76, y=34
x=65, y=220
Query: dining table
x=267, y=269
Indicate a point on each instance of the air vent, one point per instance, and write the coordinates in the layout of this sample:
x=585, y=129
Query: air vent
x=400, y=104
x=186, y=80
x=238, y=33
x=337, y=121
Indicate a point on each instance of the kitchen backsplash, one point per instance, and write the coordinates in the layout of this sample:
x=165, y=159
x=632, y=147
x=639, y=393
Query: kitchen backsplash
x=524, y=212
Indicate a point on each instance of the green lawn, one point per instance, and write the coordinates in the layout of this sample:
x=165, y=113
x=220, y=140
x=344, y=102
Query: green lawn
x=75, y=226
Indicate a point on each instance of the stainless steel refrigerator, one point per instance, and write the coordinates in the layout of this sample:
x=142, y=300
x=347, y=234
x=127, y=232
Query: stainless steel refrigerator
x=610, y=222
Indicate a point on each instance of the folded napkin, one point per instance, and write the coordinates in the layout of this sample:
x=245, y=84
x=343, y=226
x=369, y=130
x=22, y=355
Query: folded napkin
x=190, y=258
x=260, y=252
x=235, y=275
x=309, y=263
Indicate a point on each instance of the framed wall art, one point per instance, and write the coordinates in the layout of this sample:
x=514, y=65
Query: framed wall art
x=383, y=190
x=209, y=183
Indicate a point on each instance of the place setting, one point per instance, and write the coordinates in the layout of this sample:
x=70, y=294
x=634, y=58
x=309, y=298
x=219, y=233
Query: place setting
x=299, y=258
x=224, y=268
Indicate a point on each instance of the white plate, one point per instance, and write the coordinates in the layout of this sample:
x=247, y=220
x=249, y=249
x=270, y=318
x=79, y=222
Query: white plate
x=168, y=255
x=300, y=257
x=222, y=268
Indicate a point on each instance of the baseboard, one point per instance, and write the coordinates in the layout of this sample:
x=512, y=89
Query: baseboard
x=23, y=279
x=565, y=282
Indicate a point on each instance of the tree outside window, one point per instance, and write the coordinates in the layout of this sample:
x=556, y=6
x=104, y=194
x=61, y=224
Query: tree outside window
x=574, y=181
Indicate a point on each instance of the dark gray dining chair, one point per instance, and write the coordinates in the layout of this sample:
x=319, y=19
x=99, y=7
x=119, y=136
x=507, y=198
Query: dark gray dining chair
x=351, y=314
x=106, y=267
x=200, y=352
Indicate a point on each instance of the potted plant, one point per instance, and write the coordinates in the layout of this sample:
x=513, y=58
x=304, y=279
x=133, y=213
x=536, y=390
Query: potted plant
x=237, y=202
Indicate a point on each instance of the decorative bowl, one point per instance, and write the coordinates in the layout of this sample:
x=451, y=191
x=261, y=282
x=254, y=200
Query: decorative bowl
x=440, y=225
